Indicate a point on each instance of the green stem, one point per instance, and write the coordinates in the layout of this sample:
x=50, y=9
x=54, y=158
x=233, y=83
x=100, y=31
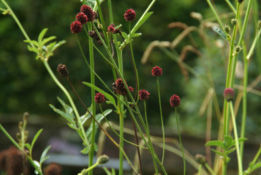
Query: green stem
x=83, y=136
x=84, y=171
x=240, y=169
x=224, y=168
x=17, y=21
x=137, y=25
x=37, y=168
x=244, y=110
x=180, y=141
x=148, y=135
x=199, y=169
x=162, y=123
x=91, y=55
x=209, y=169
x=215, y=13
x=231, y=6
x=121, y=140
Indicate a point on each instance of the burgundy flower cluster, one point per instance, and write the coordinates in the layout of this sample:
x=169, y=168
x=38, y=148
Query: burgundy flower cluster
x=85, y=15
x=99, y=98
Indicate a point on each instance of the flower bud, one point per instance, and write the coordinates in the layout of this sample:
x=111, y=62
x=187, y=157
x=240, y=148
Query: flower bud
x=156, y=71
x=62, y=69
x=129, y=15
x=103, y=159
x=174, y=101
x=144, y=94
x=99, y=98
x=229, y=94
x=76, y=27
x=200, y=159
x=233, y=21
x=227, y=29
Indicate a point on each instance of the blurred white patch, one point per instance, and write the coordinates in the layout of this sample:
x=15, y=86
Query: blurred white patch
x=219, y=43
x=239, y=70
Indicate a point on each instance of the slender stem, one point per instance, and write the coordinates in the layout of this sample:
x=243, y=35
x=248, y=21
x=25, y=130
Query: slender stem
x=240, y=169
x=215, y=13
x=250, y=53
x=137, y=25
x=37, y=168
x=121, y=140
x=199, y=169
x=180, y=141
x=84, y=138
x=91, y=55
x=231, y=6
x=209, y=169
x=17, y=21
x=244, y=110
x=162, y=123
x=148, y=135
x=245, y=22
x=89, y=169
x=224, y=168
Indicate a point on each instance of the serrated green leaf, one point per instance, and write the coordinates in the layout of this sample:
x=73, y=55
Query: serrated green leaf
x=35, y=138
x=99, y=118
x=144, y=19
x=68, y=116
x=108, y=96
x=43, y=156
x=41, y=35
x=231, y=150
x=218, y=152
x=124, y=35
x=85, y=150
x=228, y=142
x=215, y=143
x=242, y=139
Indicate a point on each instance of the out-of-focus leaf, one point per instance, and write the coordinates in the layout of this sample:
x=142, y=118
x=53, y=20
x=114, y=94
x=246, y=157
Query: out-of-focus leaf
x=108, y=96
x=215, y=143
x=41, y=35
x=35, y=138
x=43, y=156
x=144, y=19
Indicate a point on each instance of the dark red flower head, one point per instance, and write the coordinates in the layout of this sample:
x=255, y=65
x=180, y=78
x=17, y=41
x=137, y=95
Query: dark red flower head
x=99, y=98
x=229, y=94
x=53, y=169
x=131, y=89
x=87, y=10
x=129, y=15
x=120, y=88
x=111, y=28
x=81, y=17
x=76, y=27
x=62, y=69
x=156, y=71
x=144, y=94
x=174, y=101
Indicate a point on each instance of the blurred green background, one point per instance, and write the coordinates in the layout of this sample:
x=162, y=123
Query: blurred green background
x=26, y=86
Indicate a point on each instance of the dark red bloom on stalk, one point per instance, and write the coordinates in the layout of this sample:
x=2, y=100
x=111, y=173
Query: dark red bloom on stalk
x=81, y=17
x=129, y=15
x=144, y=94
x=76, y=27
x=229, y=94
x=174, y=101
x=156, y=71
x=131, y=89
x=99, y=98
x=87, y=10
x=62, y=69
x=119, y=87
x=53, y=169
x=111, y=28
